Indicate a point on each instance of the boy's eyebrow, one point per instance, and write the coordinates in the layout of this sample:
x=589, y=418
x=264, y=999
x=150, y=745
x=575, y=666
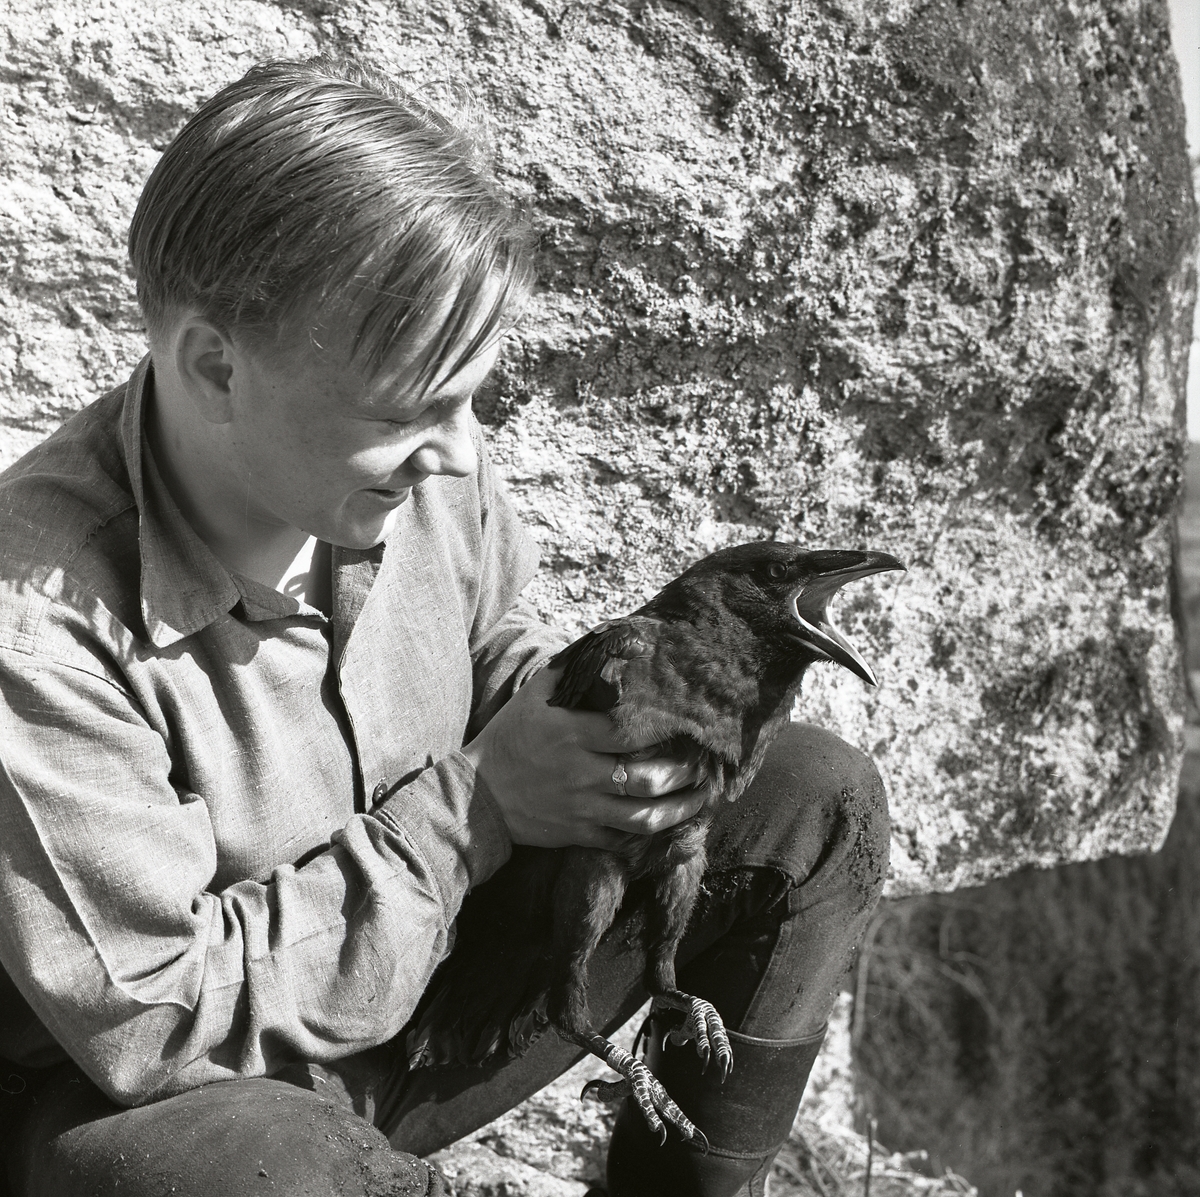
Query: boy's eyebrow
x=422, y=401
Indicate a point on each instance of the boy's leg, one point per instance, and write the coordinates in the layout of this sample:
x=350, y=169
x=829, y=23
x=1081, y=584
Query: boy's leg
x=237, y=1139
x=805, y=860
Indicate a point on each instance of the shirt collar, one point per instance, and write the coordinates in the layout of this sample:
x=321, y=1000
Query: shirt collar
x=184, y=587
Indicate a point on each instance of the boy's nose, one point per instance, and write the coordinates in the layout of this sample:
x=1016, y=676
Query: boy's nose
x=449, y=448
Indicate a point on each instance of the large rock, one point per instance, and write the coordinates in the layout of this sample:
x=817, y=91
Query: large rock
x=1042, y=1033
x=913, y=275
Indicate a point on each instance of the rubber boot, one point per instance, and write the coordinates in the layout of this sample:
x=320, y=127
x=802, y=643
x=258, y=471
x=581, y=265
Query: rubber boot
x=747, y=1120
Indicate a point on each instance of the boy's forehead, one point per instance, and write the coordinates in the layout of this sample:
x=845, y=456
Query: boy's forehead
x=333, y=335
x=400, y=381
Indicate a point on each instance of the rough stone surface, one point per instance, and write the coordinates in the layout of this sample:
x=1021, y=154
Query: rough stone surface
x=912, y=274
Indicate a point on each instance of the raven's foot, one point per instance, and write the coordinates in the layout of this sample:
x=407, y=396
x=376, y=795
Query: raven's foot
x=638, y=1082
x=701, y=1025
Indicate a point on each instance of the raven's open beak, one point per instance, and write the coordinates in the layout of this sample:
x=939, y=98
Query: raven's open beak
x=832, y=569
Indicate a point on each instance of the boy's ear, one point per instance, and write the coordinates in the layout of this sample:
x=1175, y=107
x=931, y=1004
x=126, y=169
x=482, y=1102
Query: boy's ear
x=205, y=360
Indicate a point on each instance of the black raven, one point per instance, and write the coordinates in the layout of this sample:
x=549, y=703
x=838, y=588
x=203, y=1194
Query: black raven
x=706, y=670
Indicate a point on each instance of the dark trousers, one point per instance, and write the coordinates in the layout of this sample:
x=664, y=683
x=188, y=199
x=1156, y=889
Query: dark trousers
x=795, y=869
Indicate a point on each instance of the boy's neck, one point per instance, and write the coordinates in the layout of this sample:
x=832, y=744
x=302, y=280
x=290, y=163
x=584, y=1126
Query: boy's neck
x=309, y=578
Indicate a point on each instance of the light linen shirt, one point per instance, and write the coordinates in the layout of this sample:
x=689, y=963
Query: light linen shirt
x=234, y=832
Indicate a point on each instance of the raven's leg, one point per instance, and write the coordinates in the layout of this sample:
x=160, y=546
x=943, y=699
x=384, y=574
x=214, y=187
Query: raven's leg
x=674, y=896
x=587, y=895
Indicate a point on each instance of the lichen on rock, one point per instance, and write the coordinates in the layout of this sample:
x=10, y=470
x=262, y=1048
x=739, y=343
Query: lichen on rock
x=912, y=274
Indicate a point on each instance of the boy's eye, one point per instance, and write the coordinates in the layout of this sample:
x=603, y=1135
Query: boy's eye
x=408, y=421
x=433, y=411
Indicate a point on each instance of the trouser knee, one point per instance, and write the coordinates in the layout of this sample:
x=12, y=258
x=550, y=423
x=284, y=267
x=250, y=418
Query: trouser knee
x=236, y=1138
x=816, y=811
x=796, y=868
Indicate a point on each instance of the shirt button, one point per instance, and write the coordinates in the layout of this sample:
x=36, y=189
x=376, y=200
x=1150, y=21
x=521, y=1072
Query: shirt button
x=379, y=794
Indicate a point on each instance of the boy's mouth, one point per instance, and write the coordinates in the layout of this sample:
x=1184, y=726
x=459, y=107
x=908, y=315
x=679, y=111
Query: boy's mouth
x=391, y=496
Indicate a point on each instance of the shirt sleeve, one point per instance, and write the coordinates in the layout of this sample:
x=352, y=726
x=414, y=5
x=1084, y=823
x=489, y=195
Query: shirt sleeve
x=153, y=983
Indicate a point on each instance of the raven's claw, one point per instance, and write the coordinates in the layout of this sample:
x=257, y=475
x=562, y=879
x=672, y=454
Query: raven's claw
x=638, y=1082
x=702, y=1024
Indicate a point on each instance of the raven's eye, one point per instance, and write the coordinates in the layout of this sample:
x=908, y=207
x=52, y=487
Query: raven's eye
x=777, y=570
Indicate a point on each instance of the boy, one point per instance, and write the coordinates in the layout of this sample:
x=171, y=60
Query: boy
x=272, y=705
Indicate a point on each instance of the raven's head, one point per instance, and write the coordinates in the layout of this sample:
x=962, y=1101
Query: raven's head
x=782, y=593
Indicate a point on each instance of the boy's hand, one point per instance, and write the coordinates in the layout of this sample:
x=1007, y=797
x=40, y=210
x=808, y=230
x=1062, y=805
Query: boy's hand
x=551, y=772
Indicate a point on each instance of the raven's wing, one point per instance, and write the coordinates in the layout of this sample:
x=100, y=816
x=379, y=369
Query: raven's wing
x=594, y=665
x=488, y=997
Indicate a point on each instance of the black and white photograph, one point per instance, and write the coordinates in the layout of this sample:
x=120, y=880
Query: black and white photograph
x=599, y=599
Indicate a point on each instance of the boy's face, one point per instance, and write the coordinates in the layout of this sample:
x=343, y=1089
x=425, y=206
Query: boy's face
x=323, y=448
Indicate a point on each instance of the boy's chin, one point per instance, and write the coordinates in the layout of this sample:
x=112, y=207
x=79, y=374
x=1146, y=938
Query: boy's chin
x=363, y=534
